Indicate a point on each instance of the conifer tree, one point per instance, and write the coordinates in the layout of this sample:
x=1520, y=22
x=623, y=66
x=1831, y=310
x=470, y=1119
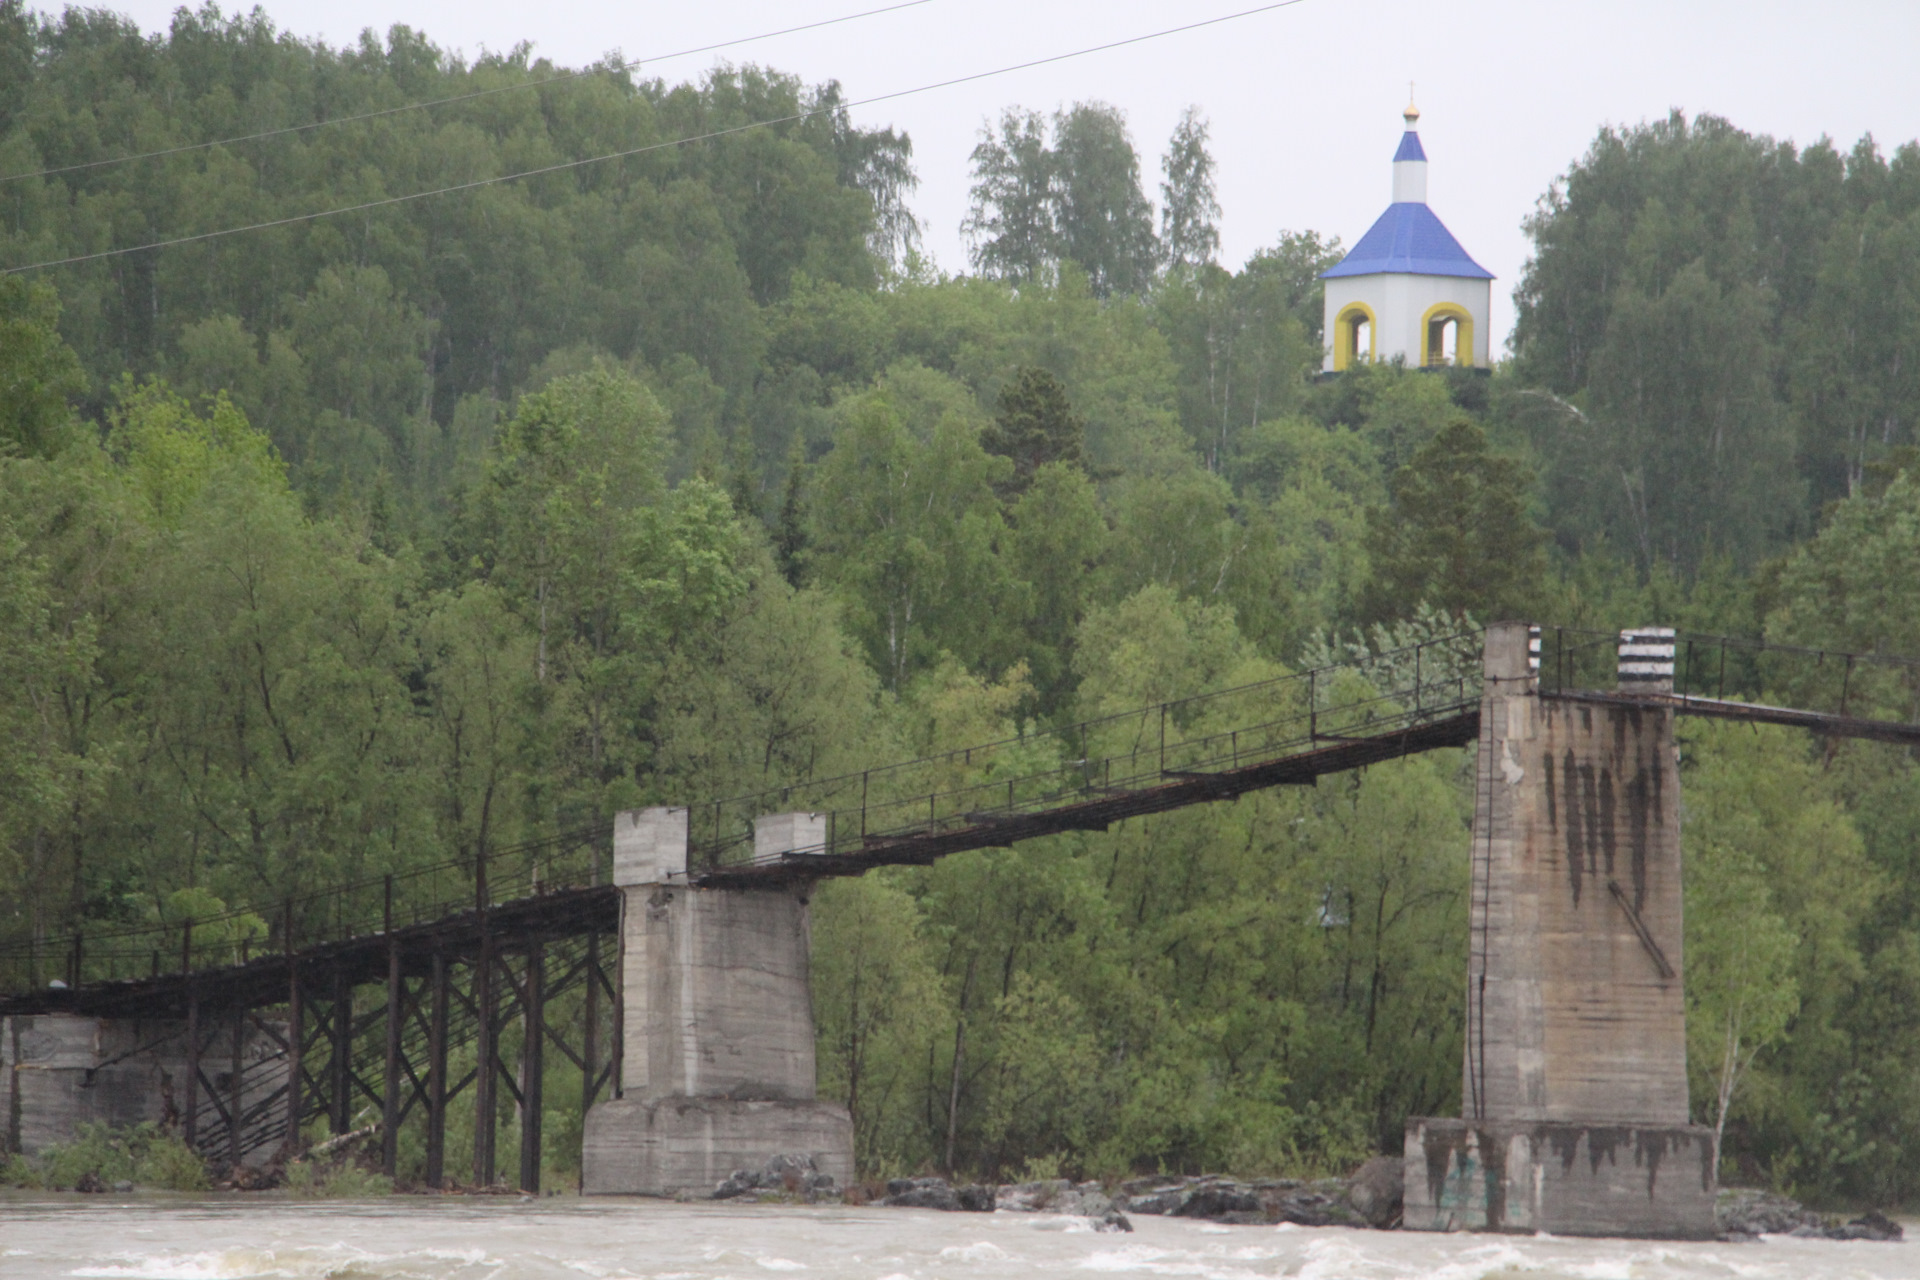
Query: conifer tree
x=1456, y=533
x=1035, y=425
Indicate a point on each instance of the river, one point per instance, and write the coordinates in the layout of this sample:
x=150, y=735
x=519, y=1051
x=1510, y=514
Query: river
x=151, y=1237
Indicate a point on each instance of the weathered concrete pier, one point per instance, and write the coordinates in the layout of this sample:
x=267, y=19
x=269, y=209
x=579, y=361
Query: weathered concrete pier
x=59, y=1071
x=1575, y=1080
x=717, y=1020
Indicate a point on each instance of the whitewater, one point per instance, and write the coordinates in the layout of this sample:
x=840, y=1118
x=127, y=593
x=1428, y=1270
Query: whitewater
x=154, y=1237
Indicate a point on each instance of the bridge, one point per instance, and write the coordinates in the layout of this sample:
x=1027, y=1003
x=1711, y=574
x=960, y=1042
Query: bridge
x=681, y=942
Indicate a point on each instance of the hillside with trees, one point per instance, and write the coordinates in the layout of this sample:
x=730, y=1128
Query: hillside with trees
x=355, y=543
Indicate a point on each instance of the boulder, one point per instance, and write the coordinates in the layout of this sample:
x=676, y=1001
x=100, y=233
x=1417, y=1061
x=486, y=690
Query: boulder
x=1083, y=1200
x=1313, y=1204
x=938, y=1193
x=976, y=1198
x=784, y=1177
x=1269, y=1201
x=1153, y=1195
x=1872, y=1225
x=1376, y=1190
x=1747, y=1214
x=1221, y=1200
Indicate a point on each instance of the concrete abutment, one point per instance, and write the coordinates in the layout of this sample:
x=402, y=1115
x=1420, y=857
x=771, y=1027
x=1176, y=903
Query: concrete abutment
x=717, y=1052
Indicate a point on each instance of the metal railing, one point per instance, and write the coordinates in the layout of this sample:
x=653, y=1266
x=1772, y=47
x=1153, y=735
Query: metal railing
x=338, y=913
x=1877, y=686
x=1128, y=751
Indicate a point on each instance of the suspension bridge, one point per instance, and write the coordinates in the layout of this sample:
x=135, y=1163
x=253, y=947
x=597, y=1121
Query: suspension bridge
x=679, y=940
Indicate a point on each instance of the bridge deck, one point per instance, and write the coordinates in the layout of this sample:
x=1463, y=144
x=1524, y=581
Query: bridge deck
x=262, y=981
x=1097, y=813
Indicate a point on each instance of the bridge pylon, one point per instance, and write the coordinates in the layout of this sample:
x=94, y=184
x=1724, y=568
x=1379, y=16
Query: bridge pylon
x=1574, y=1089
x=716, y=1032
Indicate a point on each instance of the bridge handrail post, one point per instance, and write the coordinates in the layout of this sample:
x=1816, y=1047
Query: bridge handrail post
x=386, y=914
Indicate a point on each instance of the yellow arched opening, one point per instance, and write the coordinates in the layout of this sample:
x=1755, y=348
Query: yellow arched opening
x=1347, y=326
x=1433, y=334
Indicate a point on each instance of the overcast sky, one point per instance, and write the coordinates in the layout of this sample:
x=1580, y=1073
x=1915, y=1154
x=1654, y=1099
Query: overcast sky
x=1304, y=101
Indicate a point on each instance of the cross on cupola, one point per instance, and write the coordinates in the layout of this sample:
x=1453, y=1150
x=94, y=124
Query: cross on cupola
x=1406, y=290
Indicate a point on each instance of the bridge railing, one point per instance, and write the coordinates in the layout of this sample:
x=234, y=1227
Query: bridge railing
x=338, y=913
x=1140, y=748
x=1875, y=686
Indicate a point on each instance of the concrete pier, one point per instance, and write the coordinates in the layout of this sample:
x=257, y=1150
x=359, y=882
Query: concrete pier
x=717, y=1062
x=60, y=1071
x=1575, y=1075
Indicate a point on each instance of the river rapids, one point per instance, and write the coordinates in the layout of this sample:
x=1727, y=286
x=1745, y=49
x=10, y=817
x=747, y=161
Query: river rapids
x=154, y=1237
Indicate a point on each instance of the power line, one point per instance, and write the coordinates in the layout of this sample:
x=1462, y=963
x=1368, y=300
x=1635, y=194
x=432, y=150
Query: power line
x=459, y=97
x=651, y=147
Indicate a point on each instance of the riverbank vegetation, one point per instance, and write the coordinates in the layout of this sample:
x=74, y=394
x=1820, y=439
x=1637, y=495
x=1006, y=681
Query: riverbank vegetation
x=102, y=1157
x=353, y=544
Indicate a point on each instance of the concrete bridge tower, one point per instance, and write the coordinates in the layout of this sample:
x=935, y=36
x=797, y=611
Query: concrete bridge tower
x=1574, y=1088
x=716, y=1032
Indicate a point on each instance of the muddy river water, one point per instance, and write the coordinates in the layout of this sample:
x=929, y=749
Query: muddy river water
x=404, y=1238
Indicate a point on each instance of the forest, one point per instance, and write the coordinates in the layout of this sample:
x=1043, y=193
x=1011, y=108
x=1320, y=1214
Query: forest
x=359, y=542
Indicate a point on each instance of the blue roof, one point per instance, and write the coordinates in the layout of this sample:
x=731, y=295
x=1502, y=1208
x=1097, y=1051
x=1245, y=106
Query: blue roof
x=1408, y=240
x=1410, y=148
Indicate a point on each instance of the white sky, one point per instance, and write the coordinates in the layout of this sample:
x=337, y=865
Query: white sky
x=1304, y=101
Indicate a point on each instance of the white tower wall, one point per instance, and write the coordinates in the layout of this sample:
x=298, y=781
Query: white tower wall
x=1400, y=304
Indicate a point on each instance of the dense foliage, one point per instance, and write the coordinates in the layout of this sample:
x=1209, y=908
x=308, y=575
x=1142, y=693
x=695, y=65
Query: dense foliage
x=357, y=543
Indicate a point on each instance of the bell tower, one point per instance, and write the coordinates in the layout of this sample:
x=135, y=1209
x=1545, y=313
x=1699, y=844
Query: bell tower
x=1407, y=290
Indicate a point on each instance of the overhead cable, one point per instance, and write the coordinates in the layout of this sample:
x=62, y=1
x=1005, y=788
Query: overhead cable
x=631, y=65
x=808, y=114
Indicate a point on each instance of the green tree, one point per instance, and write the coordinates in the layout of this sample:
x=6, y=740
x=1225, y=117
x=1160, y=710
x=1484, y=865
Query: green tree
x=1103, y=221
x=1189, y=209
x=1010, y=222
x=1856, y=367
x=877, y=1003
x=1059, y=538
x=1073, y=193
x=912, y=538
x=1455, y=533
x=1034, y=425
x=1776, y=880
x=39, y=373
